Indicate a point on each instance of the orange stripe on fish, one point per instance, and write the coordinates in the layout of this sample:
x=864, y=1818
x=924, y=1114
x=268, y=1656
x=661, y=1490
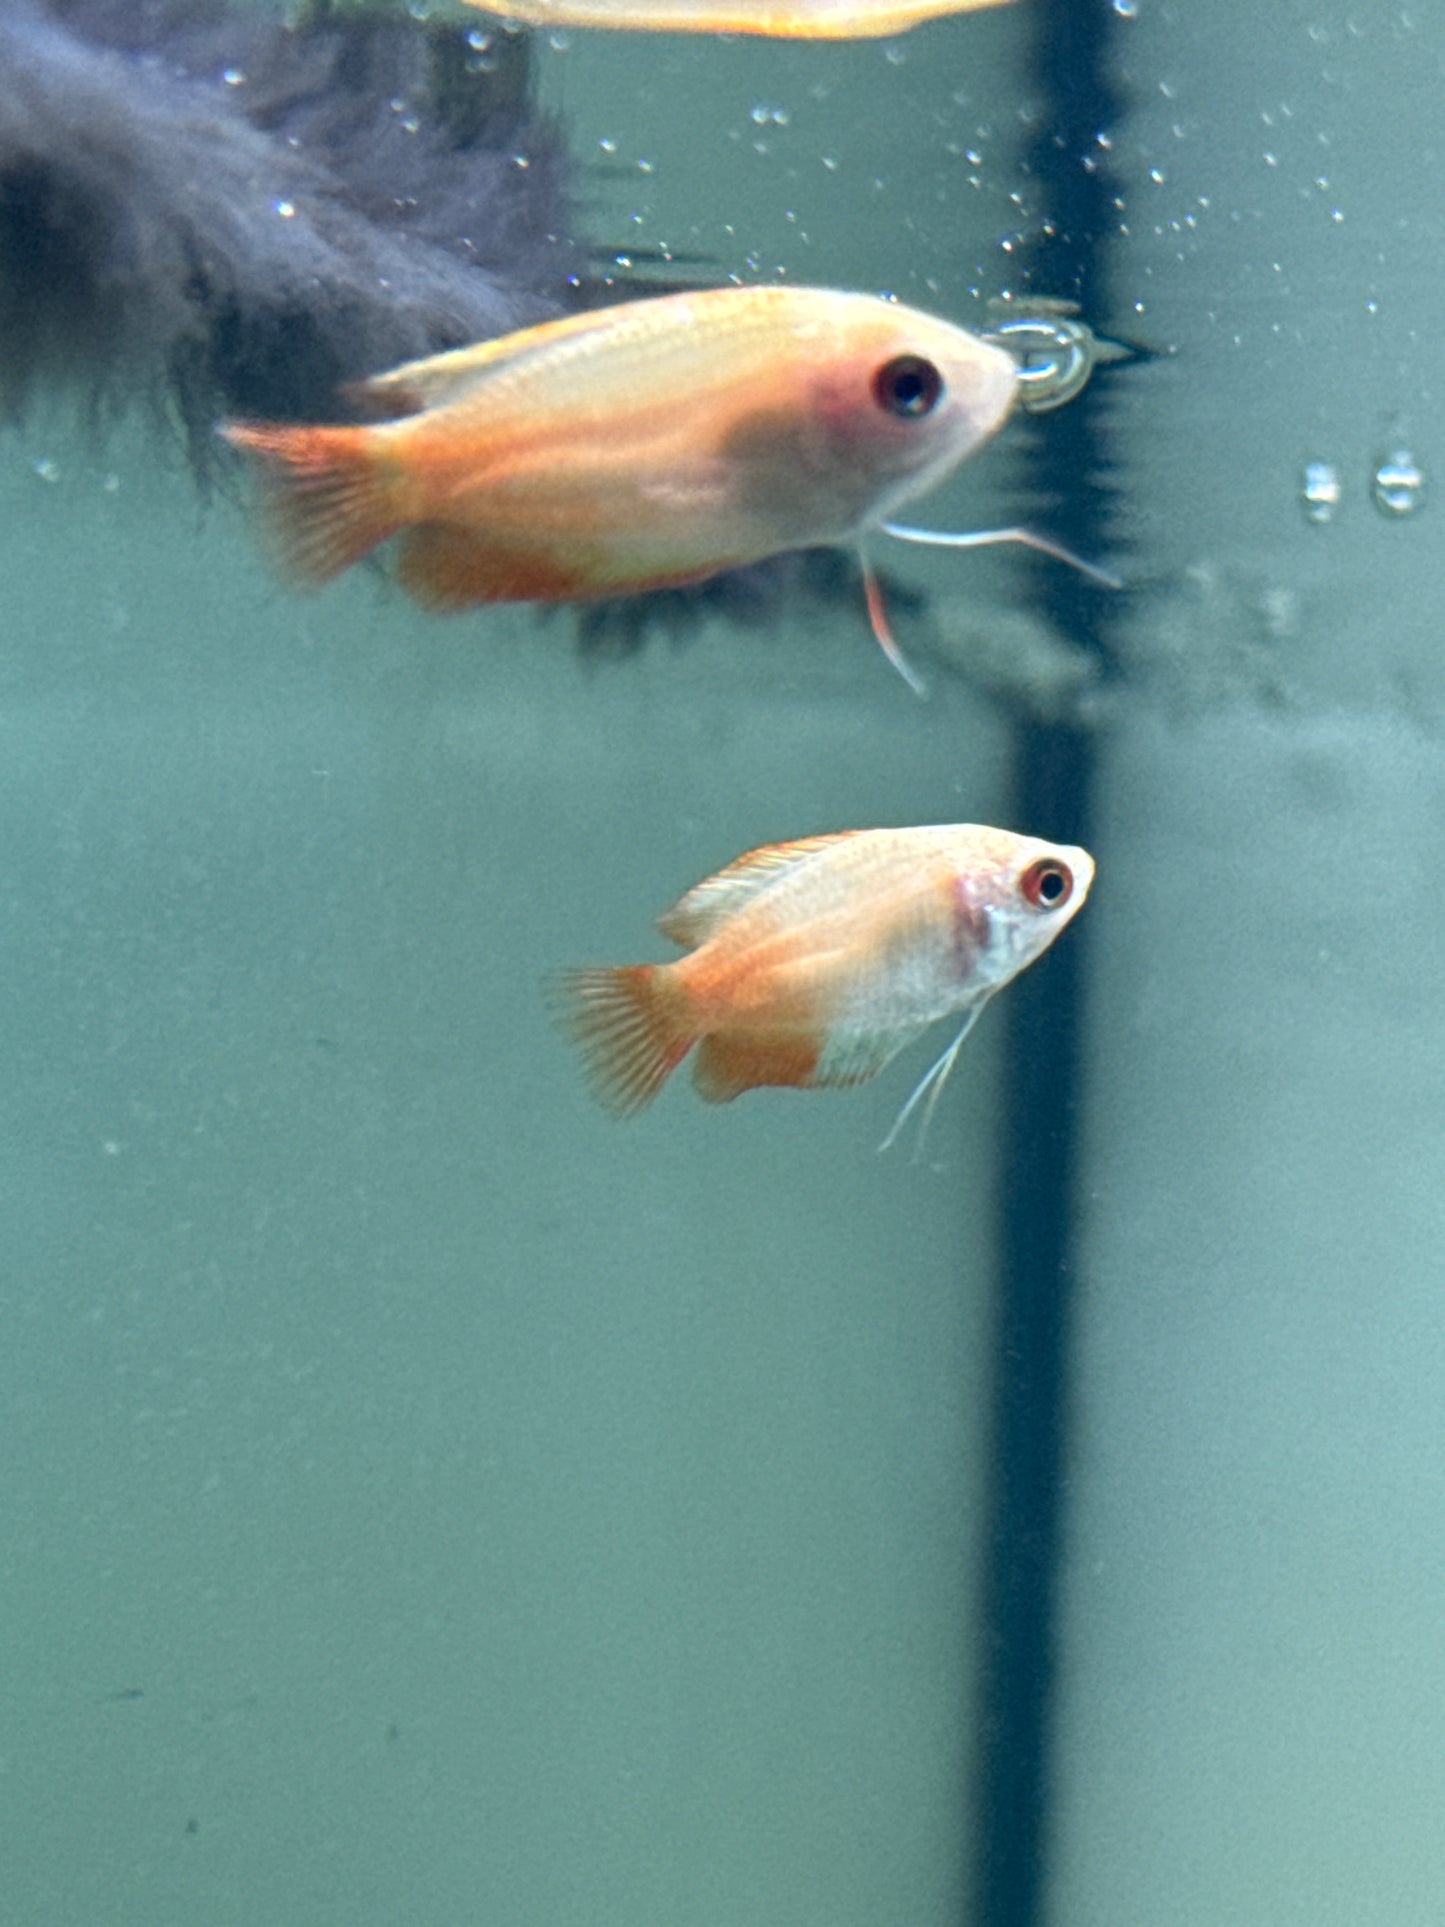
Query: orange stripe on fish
x=813, y=963
x=450, y=569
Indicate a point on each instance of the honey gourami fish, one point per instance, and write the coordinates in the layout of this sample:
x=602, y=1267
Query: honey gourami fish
x=803, y=20
x=814, y=963
x=638, y=447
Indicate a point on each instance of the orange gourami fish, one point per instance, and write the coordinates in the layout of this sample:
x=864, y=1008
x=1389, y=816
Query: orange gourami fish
x=637, y=447
x=814, y=963
x=802, y=20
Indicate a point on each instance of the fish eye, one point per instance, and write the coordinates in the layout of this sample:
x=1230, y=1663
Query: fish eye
x=1047, y=883
x=908, y=386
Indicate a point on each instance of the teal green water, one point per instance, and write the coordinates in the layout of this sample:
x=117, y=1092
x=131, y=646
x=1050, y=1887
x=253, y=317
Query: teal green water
x=454, y=1505
x=428, y=1501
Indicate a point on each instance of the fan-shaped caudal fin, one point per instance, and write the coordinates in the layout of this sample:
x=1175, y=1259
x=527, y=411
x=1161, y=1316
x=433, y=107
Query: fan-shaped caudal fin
x=330, y=497
x=632, y=1027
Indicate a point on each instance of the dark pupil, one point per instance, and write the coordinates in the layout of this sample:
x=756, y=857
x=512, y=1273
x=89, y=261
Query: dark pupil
x=908, y=386
x=1050, y=885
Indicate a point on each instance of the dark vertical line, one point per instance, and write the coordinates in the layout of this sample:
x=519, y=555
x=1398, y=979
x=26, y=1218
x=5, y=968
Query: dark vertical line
x=1053, y=791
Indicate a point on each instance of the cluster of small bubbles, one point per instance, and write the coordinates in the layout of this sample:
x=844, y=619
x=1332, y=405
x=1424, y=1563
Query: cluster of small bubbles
x=1398, y=484
x=762, y=115
x=1320, y=491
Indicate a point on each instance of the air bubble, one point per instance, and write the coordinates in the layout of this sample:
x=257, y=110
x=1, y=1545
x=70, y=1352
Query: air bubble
x=1320, y=491
x=1398, y=484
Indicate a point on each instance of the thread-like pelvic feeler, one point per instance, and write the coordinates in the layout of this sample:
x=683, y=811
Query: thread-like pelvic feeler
x=986, y=538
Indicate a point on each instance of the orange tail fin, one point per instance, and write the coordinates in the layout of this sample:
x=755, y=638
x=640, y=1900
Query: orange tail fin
x=330, y=497
x=632, y=1027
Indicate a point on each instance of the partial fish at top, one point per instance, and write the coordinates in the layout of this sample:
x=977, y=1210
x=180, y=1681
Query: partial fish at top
x=802, y=20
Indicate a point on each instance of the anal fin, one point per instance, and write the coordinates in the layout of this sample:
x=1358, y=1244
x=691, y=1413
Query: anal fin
x=449, y=567
x=731, y=1062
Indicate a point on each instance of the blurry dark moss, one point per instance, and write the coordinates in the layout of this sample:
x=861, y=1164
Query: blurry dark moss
x=233, y=216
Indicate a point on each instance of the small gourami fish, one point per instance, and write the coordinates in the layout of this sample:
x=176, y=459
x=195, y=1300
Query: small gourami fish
x=814, y=963
x=639, y=447
x=800, y=20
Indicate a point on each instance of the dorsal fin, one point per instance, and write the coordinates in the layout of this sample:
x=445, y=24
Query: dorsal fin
x=701, y=913
x=438, y=379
